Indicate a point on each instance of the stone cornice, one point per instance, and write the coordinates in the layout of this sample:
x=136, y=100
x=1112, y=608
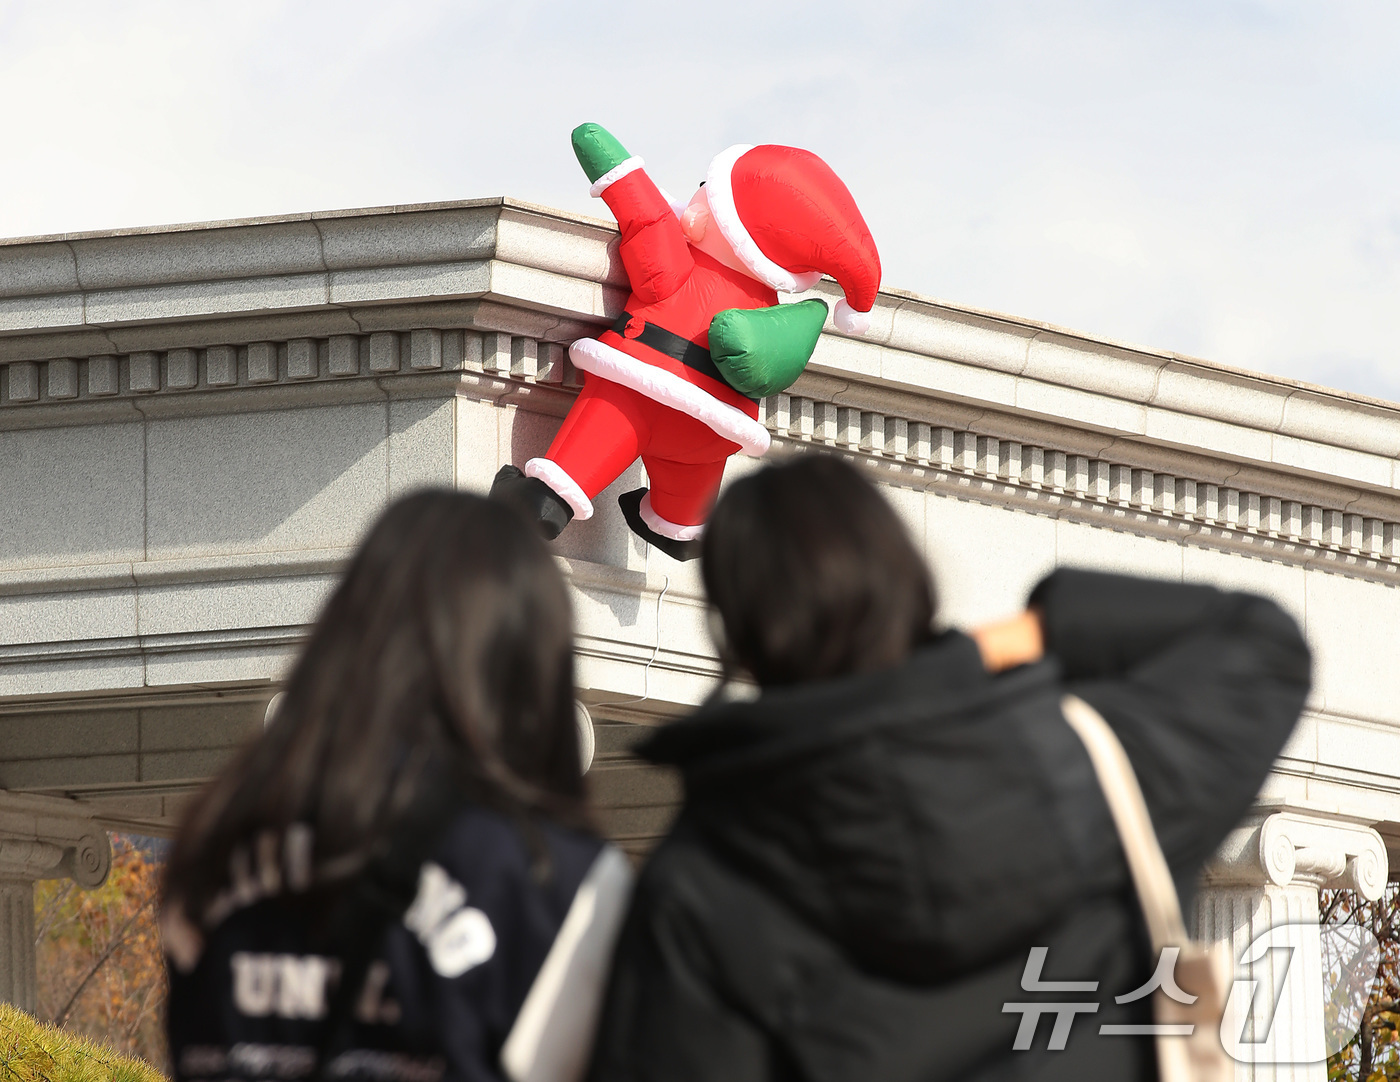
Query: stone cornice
x=1253, y=516
x=994, y=365
x=107, y=294
x=535, y=210
x=534, y=236
x=615, y=666
x=990, y=455
x=477, y=298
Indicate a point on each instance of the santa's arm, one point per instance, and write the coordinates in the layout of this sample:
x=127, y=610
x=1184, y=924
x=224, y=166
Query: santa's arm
x=654, y=249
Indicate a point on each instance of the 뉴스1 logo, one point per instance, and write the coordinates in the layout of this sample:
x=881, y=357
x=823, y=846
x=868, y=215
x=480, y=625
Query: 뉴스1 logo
x=1338, y=963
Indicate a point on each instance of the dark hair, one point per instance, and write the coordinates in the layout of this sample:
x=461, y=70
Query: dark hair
x=813, y=575
x=445, y=654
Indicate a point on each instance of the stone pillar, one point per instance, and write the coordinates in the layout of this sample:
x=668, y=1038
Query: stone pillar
x=17, y=971
x=1260, y=895
x=40, y=838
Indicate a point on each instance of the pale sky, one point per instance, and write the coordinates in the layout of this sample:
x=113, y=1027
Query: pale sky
x=1220, y=178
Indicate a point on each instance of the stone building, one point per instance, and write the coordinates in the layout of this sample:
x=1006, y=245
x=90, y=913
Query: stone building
x=198, y=422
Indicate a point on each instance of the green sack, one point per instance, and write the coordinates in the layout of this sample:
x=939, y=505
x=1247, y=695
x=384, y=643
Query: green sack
x=761, y=351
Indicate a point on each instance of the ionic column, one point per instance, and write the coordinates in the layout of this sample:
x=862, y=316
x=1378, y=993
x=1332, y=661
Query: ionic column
x=40, y=838
x=1260, y=895
x=17, y=972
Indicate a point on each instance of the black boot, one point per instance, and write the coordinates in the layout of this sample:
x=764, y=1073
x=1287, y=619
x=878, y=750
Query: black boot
x=631, y=504
x=537, y=500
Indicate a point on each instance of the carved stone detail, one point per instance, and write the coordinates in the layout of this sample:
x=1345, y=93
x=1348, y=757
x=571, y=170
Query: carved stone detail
x=1259, y=894
x=1035, y=478
x=40, y=838
x=1286, y=848
x=1049, y=479
x=50, y=838
x=520, y=359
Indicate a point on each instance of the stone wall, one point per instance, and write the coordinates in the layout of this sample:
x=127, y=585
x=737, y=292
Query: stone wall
x=198, y=423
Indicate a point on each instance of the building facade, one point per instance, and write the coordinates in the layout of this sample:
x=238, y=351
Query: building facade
x=198, y=422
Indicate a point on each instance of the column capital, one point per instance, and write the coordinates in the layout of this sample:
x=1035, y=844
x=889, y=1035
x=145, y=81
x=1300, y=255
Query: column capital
x=51, y=838
x=1299, y=846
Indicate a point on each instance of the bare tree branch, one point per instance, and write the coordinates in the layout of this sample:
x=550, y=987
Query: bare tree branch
x=116, y=941
x=44, y=922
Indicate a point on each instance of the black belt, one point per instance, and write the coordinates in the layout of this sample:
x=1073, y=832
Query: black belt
x=689, y=353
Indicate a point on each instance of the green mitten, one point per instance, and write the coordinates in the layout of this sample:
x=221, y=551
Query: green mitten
x=761, y=351
x=597, y=150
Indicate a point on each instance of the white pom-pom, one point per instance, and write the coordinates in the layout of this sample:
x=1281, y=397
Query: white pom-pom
x=850, y=321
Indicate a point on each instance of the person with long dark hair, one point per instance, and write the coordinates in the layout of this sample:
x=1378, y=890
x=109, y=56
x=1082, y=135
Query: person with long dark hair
x=400, y=879
x=875, y=848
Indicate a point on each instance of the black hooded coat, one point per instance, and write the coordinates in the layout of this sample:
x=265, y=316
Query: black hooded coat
x=862, y=866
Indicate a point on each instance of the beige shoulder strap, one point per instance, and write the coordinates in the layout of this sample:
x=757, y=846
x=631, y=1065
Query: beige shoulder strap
x=1151, y=877
x=1188, y=1030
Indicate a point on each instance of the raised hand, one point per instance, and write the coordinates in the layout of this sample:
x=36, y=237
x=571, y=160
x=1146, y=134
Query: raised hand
x=597, y=150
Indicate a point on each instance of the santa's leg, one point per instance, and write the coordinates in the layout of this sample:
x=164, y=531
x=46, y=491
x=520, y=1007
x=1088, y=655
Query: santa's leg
x=671, y=514
x=600, y=437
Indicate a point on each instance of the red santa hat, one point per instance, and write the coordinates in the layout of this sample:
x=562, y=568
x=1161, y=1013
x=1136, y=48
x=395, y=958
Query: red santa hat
x=790, y=220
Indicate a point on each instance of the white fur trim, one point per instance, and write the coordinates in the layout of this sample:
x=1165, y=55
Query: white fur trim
x=720, y=192
x=616, y=173
x=665, y=527
x=564, y=486
x=849, y=320
x=669, y=389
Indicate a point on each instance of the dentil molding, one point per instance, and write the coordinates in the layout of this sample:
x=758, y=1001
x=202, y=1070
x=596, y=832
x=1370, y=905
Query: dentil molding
x=1111, y=483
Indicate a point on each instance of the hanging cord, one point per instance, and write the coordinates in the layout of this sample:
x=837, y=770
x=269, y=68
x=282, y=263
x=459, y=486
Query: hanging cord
x=656, y=650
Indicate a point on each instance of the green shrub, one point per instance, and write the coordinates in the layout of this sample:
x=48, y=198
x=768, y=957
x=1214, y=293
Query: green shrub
x=33, y=1052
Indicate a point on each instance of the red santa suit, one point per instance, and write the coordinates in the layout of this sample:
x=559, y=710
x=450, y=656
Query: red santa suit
x=651, y=389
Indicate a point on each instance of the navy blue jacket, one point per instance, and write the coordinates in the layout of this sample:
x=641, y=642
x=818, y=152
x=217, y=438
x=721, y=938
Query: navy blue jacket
x=448, y=983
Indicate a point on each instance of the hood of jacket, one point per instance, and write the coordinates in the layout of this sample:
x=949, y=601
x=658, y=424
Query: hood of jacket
x=927, y=818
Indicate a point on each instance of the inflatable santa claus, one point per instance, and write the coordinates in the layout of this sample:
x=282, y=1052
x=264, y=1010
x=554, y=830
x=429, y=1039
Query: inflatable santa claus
x=676, y=380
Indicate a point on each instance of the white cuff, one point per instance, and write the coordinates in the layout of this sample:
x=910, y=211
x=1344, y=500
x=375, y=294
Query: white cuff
x=665, y=527
x=564, y=486
x=661, y=385
x=616, y=173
